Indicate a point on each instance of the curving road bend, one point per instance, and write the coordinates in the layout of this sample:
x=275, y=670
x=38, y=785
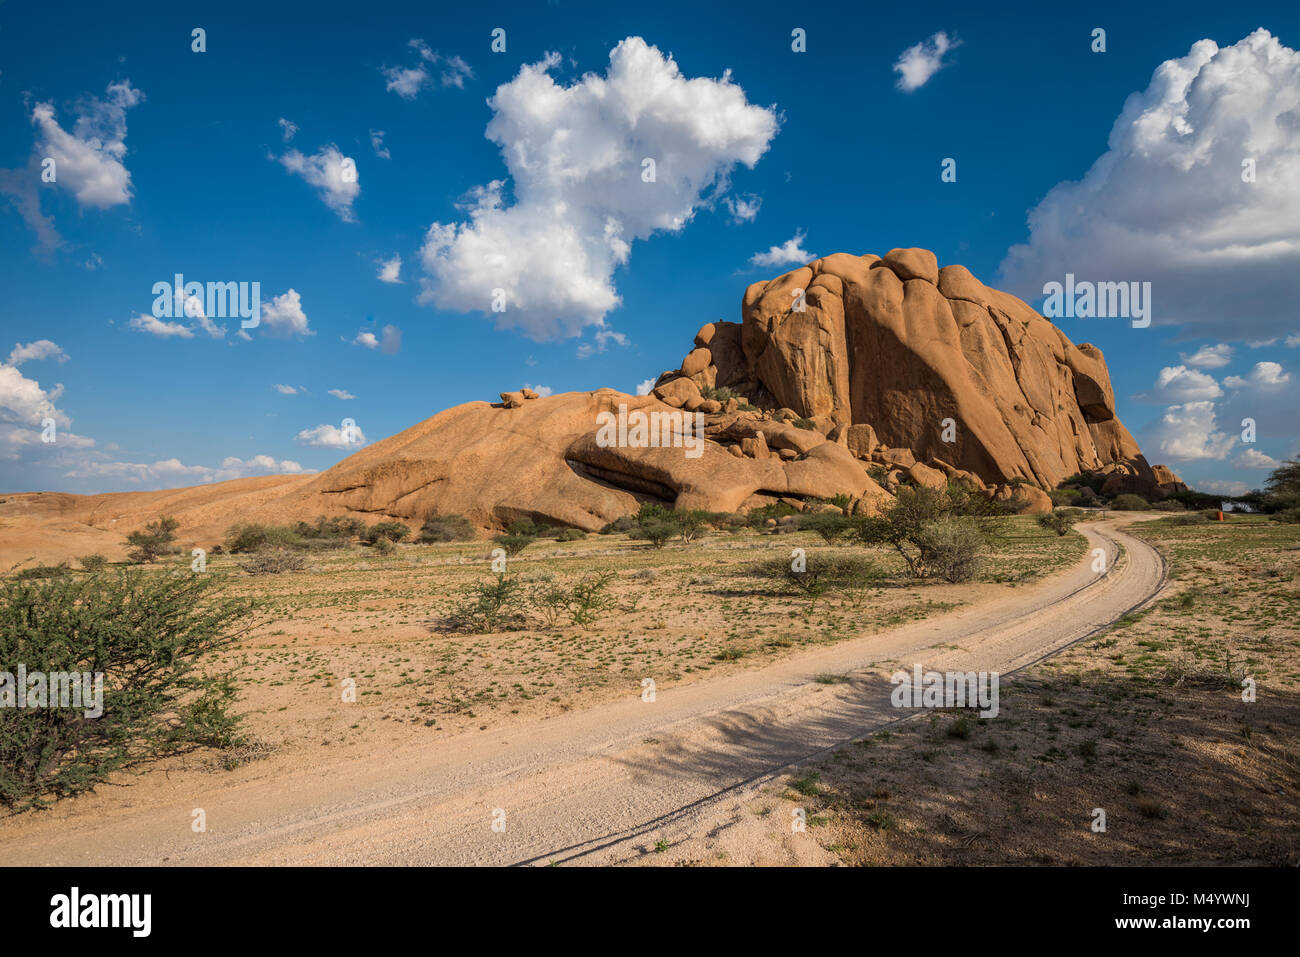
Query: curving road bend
x=597, y=786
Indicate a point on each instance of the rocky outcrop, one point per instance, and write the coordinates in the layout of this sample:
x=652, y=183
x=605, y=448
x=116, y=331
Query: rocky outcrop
x=942, y=368
x=851, y=376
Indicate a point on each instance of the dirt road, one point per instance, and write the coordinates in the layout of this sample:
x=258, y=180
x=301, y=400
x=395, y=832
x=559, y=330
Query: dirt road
x=596, y=786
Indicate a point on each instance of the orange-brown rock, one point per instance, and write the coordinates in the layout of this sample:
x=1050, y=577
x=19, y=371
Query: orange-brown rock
x=904, y=346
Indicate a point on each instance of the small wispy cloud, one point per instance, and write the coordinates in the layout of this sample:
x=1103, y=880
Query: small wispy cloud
x=918, y=63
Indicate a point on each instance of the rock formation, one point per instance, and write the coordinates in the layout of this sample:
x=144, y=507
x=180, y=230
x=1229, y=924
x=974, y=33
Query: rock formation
x=884, y=353
x=848, y=377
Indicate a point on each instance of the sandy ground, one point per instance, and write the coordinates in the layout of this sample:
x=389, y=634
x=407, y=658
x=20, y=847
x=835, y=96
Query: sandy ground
x=608, y=784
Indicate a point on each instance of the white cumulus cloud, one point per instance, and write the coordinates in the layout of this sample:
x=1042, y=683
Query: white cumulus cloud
x=1181, y=384
x=390, y=269
x=1266, y=377
x=1208, y=357
x=1255, y=459
x=1189, y=433
x=283, y=316
x=38, y=350
x=332, y=437
x=88, y=160
x=578, y=198
x=1167, y=202
x=790, y=252
x=333, y=174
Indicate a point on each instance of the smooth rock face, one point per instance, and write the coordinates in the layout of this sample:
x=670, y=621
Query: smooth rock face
x=903, y=346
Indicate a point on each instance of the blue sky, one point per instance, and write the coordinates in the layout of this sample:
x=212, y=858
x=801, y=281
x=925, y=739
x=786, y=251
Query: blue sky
x=177, y=161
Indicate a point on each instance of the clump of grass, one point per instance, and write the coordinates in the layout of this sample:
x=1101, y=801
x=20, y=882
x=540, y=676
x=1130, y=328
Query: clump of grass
x=274, y=561
x=806, y=784
x=1152, y=809
x=881, y=820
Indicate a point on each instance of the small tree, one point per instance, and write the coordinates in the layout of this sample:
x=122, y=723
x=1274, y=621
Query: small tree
x=917, y=526
x=658, y=533
x=1282, y=489
x=690, y=522
x=590, y=598
x=487, y=606
x=953, y=547
x=153, y=540
x=151, y=637
x=514, y=544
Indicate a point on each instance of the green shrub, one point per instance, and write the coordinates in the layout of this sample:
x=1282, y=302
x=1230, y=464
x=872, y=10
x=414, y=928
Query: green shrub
x=805, y=423
x=1064, y=496
x=330, y=532
x=392, y=531
x=37, y=572
x=384, y=546
x=589, y=598
x=93, y=563
x=652, y=512
x=934, y=531
x=570, y=535
x=446, y=528
x=655, y=531
x=731, y=522
x=720, y=393
x=1190, y=518
x=526, y=526
x=152, y=637
x=1288, y=516
x=624, y=523
x=758, y=516
x=514, y=544
x=821, y=574
x=247, y=537
x=831, y=526
x=273, y=561
x=954, y=548
x=1057, y=521
x=488, y=606
x=1130, y=503
x=154, y=540
x=690, y=522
